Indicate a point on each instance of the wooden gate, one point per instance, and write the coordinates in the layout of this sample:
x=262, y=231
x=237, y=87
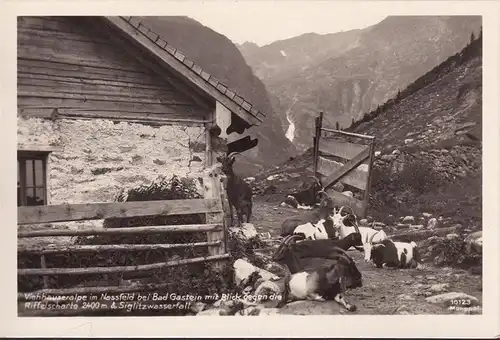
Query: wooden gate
x=347, y=158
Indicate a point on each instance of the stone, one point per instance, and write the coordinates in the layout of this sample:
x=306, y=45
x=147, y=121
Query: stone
x=431, y=277
x=433, y=223
x=230, y=307
x=212, y=312
x=268, y=311
x=377, y=153
x=363, y=222
x=243, y=269
x=348, y=193
x=388, y=157
x=456, y=298
x=339, y=187
x=452, y=236
x=408, y=219
x=402, y=226
x=409, y=140
x=197, y=307
x=248, y=230
x=396, y=152
x=406, y=297
x=439, y=287
x=427, y=215
x=417, y=226
x=474, y=243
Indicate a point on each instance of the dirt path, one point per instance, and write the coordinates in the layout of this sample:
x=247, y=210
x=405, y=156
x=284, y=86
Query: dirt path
x=385, y=291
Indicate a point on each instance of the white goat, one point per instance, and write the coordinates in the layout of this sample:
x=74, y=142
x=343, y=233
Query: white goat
x=312, y=231
x=368, y=235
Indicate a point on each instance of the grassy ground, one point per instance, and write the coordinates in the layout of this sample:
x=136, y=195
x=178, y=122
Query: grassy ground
x=384, y=290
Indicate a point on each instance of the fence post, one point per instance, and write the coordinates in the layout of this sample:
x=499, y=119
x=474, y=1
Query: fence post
x=213, y=189
x=318, y=123
x=366, y=199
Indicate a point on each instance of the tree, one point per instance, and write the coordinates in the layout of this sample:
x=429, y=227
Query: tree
x=472, y=37
x=337, y=127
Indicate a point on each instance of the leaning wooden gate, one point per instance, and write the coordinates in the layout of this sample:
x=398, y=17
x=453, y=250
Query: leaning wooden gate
x=214, y=206
x=347, y=158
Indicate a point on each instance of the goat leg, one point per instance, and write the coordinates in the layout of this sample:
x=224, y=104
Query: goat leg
x=341, y=300
x=231, y=213
x=316, y=297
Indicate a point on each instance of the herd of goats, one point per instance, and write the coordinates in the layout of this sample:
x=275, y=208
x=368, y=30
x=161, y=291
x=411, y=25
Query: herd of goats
x=325, y=233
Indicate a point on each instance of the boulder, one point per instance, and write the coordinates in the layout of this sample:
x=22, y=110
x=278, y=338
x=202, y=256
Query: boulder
x=348, y=193
x=433, y=223
x=408, y=219
x=212, y=312
x=456, y=298
x=474, y=243
x=439, y=287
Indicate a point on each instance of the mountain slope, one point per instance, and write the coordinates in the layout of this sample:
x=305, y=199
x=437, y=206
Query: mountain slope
x=360, y=71
x=429, y=146
x=220, y=57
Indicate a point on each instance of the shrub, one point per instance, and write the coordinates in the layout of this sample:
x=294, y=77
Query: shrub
x=452, y=252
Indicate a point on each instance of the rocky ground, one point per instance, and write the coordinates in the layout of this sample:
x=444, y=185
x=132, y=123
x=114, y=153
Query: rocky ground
x=426, y=290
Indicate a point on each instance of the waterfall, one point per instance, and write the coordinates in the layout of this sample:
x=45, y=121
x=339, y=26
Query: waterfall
x=290, y=132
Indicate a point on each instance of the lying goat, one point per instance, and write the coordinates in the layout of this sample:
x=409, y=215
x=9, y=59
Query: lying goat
x=324, y=212
x=315, y=231
x=239, y=192
x=388, y=253
x=309, y=196
x=323, y=283
x=376, y=236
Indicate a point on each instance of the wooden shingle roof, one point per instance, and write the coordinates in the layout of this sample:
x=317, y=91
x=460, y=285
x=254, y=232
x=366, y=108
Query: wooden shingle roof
x=225, y=95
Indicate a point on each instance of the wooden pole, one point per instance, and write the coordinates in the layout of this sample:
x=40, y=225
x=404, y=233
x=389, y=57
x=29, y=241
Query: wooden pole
x=213, y=190
x=366, y=199
x=43, y=265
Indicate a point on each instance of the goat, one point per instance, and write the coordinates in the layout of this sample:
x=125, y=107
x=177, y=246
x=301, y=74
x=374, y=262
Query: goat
x=309, y=196
x=375, y=236
x=323, y=283
x=239, y=192
x=388, y=253
x=324, y=212
x=313, y=231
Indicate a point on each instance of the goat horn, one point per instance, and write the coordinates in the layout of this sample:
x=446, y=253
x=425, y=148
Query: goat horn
x=233, y=154
x=371, y=238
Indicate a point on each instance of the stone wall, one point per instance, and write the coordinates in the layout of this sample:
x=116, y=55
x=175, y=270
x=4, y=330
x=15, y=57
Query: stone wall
x=101, y=158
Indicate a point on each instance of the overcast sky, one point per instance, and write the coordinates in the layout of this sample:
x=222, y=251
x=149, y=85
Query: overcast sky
x=263, y=22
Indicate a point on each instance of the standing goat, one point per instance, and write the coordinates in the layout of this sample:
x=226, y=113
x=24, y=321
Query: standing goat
x=239, y=192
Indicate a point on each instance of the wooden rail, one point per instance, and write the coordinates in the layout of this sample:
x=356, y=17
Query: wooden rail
x=121, y=231
x=109, y=247
x=116, y=269
x=99, y=211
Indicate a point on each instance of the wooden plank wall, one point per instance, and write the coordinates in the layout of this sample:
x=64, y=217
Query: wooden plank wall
x=64, y=63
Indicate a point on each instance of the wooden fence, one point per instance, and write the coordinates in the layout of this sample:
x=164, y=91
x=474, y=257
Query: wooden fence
x=337, y=158
x=214, y=206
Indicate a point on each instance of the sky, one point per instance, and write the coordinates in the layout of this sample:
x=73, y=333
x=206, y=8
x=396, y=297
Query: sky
x=263, y=22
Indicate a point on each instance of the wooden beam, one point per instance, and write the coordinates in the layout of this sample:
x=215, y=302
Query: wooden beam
x=58, y=249
x=356, y=177
x=349, y=133
x=98, y=211
x=180, y=68
x=335, y=177
x=341, y=199
x=366, y=199
x=340, y=149
x=184, y=228
x=116, y=269
x=39, y=148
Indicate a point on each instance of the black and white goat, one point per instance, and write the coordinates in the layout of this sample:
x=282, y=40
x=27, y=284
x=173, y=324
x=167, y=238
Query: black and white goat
x=388, y=253
x=239, y=192
x=367, y=234
x=311, y=218
x=323, y=283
